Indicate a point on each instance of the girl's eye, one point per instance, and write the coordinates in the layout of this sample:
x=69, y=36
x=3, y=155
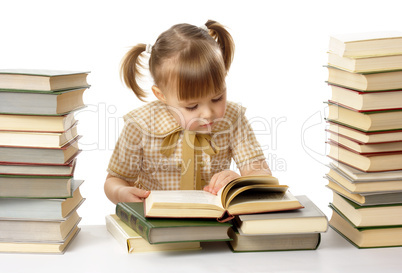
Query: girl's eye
x=192, y=108
x=218, y=99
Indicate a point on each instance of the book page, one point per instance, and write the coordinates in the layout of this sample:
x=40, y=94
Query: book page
x=254, y=192
x=176, y=199
x=245, y=181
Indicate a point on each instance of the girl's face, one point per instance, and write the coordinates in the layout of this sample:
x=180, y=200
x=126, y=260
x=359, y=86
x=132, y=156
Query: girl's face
x=197, y=115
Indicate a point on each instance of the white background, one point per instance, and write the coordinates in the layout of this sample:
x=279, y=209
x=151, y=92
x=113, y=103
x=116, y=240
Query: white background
x=277, y=72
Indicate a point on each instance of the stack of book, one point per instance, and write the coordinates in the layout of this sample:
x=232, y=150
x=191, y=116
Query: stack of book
x=39, y=196
x=365, y=137
x=175, y=219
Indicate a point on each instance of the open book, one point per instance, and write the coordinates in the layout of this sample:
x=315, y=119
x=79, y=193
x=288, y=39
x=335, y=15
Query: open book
x=244, y=195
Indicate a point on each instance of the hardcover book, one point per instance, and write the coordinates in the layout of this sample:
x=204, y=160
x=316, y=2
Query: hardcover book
x=366, y=44
x=25, y=186
x=40, y=246
x=373, y=162
x=36, y=123
x=377, y=184
x=366, y=199
x=273, y=242
x=42, y=80
x=365, y=148
x=366, y=101
x=40, y=155
x=310, y=219
x=38, y=139
x=368, y=216
x=381, y=81
x=360, y=176
x=34, y=103
x=370, y=237
x=157, y=231
x=35, y=230
x=41, y=208
x=132, y=242
x=366, y=64
x=365, y=137
x=37, y=170
x=389, y=120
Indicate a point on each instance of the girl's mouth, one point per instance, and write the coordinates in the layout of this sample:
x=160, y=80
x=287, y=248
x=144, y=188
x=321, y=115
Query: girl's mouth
x=207, y=125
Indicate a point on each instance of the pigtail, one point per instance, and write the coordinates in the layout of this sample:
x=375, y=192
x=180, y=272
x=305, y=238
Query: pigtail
x=130, y=70
x=224, y=39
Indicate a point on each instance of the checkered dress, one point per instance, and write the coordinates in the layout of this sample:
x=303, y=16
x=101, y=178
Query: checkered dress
x=137, y=158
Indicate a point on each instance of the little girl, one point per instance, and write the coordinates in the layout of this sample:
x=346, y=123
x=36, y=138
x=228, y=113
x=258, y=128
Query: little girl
x=187, y=138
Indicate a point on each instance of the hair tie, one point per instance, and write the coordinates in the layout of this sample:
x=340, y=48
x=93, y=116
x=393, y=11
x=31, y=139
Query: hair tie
x=204, y=27
x=148, y=48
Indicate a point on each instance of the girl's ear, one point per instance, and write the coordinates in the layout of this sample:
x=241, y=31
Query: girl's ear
x=158, y=94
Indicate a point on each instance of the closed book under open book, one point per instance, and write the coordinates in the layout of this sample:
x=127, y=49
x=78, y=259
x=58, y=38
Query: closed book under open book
x=309, y=219
x=157, y=231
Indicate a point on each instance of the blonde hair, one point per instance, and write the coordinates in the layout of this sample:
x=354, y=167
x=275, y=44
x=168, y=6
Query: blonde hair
x=187, y=58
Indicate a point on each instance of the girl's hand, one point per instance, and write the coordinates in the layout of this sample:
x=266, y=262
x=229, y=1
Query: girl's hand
x=119, y=190
x=219, y=180
x=131, y=194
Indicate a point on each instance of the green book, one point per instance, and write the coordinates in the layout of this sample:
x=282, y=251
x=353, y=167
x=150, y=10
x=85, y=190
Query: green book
x=41, y=102
x=373, y=121
x=368, y=216
x=365, y=237
x=42, y=209
x=38, y=186
x=42, y=80
x=161, y=230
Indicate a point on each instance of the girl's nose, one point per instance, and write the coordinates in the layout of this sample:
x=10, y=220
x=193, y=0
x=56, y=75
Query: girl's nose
x=207, y=113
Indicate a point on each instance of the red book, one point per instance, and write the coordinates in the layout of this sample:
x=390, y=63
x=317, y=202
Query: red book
x=40, y=155
x=369, y=162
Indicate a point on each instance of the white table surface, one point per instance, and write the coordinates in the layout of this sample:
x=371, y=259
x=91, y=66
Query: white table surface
x=95, y=250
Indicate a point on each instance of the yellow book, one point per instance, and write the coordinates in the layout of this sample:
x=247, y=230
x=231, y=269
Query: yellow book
x=367, y=122
x=365, y=137
x=366, y=101
x=375, y=162
x=366, y=64
x=365, y=82
x=132, y=242
x=42, y=80
x=366, y=44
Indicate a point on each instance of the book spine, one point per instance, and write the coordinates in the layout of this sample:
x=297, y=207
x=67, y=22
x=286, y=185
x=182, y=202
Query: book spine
x=134, y=222
x=318, y=241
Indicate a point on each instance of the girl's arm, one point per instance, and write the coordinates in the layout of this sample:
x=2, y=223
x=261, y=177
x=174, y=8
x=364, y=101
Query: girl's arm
x=259, y=167
x=119, y=190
